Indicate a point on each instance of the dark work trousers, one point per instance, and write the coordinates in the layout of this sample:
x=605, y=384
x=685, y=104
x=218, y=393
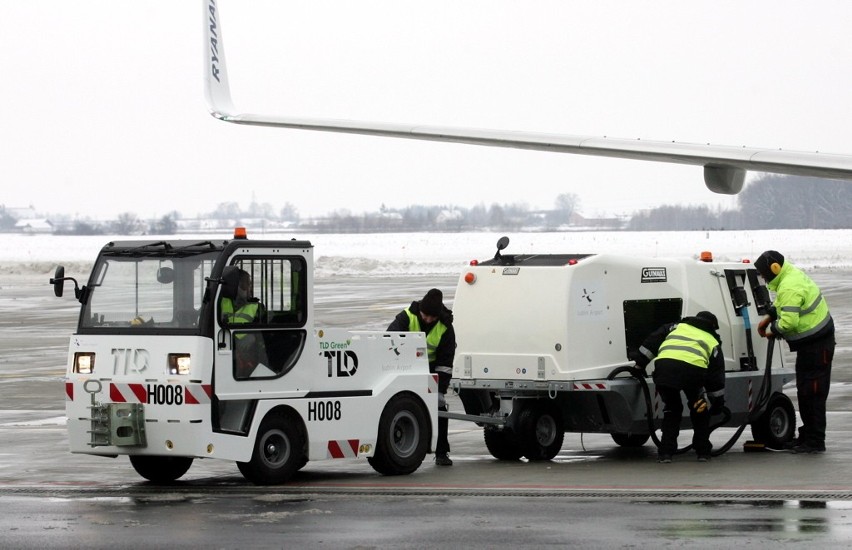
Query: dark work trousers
x=813, y=377
x=443, y=446
x=691, y=383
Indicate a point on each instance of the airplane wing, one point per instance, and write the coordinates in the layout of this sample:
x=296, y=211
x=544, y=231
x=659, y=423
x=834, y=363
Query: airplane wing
x=725, y=167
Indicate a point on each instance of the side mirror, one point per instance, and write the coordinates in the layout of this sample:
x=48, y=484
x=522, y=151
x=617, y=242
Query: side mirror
x=502, y=243
x=58, y=281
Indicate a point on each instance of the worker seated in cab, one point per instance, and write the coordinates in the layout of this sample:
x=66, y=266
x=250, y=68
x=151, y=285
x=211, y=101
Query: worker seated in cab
x=238, y=306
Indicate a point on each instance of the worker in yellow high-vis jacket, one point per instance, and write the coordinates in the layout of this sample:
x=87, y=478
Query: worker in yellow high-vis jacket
x=687, y=358
x=800, y=315
x=432, y=317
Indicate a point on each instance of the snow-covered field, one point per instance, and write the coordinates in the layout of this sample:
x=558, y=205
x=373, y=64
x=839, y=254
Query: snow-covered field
x=444, y=253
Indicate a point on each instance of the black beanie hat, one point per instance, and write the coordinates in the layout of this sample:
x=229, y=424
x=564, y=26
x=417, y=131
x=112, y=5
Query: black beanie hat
x=765, y=262
x=432, y=303
x=709, y=317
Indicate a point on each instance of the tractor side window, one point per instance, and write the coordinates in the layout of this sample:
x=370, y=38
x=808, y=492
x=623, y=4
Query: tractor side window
x=277, y=285
x=263, y=300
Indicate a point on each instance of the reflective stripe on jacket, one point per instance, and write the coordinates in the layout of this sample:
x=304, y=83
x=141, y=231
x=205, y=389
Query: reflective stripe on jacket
x=246, y=314
x=800, y=308
x=688, y=344
x=433, y=338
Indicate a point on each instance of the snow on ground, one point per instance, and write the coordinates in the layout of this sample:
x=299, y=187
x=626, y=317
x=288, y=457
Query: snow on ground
x=389, y=254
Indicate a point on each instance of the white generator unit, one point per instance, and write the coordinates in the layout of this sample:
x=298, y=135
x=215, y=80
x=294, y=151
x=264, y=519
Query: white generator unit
x=544, y=341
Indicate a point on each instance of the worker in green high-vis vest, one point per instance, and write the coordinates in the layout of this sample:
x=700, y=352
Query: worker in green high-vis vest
x=432, y=317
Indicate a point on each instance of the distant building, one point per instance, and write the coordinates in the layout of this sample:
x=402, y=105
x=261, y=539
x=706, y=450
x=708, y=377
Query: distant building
x=36, y=226
x=578, y=220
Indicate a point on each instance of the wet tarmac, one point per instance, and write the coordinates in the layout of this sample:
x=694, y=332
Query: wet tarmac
x=592, y=495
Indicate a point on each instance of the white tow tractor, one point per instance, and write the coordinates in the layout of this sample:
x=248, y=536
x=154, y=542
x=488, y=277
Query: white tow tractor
x=544, y=342
x=159, y=371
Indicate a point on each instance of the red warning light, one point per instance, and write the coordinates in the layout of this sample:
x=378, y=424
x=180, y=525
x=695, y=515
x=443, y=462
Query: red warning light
x=240, y=233
x=706, y=256
x=469, y=278
x=474, y=262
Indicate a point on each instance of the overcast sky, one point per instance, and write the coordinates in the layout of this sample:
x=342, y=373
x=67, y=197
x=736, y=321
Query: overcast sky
x=104, y=113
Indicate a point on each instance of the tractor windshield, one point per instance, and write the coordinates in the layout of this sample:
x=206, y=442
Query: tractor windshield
x=147, y=292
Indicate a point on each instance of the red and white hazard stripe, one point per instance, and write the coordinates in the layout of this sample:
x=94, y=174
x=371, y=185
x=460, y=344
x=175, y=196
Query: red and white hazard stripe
x=433, y=383
x=749, y=396
x=128, y=393
x=343, y=448
x=193, y=394
x=198, y=394
x=590, y=386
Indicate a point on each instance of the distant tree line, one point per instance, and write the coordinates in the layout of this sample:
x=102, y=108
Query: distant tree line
x=770, y=202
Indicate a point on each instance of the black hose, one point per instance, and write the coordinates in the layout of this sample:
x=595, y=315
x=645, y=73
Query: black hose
x=763, y=396
x=762, y=400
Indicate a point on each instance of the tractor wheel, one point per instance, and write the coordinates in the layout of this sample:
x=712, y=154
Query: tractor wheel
x=403, y=437
x=777, y=424
x=541, y=433
x=279, y=452
x=502, y=444
x=160, y=469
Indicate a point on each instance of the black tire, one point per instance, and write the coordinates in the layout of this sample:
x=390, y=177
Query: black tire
x=631, y=440
x=403, y=437
x=160, y=469
x=279, y=452
x=777, y=424
x=502, y=444
x=541, y=433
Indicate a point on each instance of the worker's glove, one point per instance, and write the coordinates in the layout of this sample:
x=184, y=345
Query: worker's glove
x=700, y=405
x=442, y=402
x=764, y=328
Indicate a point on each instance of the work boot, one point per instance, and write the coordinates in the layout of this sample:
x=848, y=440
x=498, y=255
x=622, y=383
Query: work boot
x=443, y=460
x=663, y=458
x=792, y=444
x=703, y=458
x=809, y=448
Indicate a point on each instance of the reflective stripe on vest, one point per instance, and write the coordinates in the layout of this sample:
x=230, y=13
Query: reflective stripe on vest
x=802, y=310
x=246, y=314
x=689, y=344
x=434, y=336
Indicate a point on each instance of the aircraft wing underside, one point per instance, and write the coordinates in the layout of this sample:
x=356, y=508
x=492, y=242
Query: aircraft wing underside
x=724, y=166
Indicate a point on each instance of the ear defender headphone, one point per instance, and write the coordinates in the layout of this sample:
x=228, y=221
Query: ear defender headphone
x=769, y=264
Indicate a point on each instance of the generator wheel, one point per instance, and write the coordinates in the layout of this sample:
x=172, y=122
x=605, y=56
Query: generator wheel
x=541, y=433
x=630, y=440
x=502, y=444
x=279, y=452
x=777, y=424
x=403, y=437
x=160, y=469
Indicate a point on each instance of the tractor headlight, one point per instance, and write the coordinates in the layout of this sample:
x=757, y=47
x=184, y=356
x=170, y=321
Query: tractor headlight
x=179, y=363
x=84, y=362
